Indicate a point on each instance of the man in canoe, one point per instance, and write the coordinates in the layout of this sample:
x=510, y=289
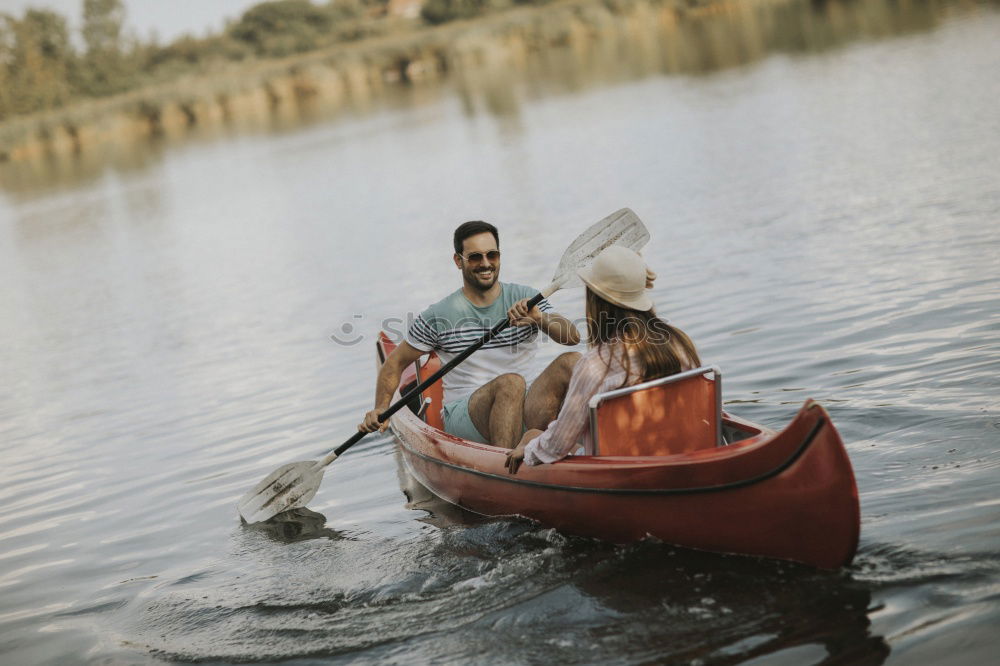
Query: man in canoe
x=492, y=396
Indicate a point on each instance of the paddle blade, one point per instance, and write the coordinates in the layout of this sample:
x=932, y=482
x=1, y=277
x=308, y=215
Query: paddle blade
x=623, y=227
x=288, y=487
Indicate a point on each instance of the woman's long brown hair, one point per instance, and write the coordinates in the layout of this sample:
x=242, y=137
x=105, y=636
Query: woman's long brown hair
x=660, y=347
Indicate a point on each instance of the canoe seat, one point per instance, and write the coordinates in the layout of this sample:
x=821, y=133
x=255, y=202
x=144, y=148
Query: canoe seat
x=432, y=415
x=666, y=416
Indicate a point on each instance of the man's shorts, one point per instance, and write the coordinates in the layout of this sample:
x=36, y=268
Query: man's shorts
x=457, y=421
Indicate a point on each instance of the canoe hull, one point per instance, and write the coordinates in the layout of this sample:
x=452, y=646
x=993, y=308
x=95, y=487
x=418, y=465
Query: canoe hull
x=788, y=495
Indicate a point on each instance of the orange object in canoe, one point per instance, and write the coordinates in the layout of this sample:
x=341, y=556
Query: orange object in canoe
x=789, y=495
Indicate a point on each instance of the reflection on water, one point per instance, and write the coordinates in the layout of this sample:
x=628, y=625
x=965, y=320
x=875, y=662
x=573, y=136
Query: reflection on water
x=512, y=591
x=495, y=68
x=298, y=524
x=707, y=601
x=439, y=512
x=645, y=39
x=661, y=602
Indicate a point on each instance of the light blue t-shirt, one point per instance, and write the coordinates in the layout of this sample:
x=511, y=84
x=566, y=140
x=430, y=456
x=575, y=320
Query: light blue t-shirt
x=453, y=323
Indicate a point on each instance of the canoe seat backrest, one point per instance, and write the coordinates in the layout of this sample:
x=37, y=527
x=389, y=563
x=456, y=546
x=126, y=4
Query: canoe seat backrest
x=432, y=415
x=664, y=417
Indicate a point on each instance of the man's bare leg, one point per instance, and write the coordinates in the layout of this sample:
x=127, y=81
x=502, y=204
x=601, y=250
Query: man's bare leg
x=497, y=410
x=546, y=395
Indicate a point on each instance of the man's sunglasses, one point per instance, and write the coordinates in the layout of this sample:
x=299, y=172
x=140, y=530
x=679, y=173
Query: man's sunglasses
x=477, y=257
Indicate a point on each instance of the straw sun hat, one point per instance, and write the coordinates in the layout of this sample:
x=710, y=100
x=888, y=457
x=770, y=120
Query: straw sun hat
x=620, y=276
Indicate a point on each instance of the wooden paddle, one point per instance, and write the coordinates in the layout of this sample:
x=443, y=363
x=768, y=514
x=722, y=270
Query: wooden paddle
x=295, y=484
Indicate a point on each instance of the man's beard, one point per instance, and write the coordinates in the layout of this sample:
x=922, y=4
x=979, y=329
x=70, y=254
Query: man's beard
x=473, y=281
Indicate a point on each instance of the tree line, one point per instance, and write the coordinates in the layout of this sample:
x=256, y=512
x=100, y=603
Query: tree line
x=41, y=67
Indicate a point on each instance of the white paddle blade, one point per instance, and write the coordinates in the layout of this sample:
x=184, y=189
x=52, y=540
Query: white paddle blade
x=289, y=487
x=623, y=227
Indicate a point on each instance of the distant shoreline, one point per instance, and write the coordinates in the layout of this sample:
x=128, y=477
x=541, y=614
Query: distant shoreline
x=254, y=94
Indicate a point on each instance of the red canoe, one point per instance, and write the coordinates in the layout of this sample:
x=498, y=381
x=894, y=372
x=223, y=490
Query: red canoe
x=670, y=464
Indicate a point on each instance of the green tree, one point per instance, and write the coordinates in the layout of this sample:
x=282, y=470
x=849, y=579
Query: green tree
x=106, y=67
x=441, y=11
x=282, y=27
x=35, y=59
x=102, y=24
x=6, y=60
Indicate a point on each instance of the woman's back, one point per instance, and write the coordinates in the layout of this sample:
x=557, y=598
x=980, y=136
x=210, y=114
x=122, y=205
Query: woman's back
x=602, y=368
x=629, y=344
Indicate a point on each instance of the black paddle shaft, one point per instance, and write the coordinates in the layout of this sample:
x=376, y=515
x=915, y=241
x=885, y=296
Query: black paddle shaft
x=445, y=369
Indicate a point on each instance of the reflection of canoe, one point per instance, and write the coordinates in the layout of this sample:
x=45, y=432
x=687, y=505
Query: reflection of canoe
x=788, y=494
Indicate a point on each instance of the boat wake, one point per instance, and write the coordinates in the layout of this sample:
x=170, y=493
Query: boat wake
x=506, y=586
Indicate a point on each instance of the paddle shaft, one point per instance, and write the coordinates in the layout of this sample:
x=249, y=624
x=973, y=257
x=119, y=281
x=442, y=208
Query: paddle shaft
x=396, y=406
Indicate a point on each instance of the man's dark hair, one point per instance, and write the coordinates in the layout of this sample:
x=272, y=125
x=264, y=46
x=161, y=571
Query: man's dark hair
x=469, y=229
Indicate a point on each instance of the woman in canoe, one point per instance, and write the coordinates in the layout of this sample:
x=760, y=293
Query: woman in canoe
x=628, y=344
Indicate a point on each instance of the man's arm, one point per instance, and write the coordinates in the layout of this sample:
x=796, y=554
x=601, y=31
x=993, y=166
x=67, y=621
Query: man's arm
x=559, y=328
x=387, y=383
x=553, y=325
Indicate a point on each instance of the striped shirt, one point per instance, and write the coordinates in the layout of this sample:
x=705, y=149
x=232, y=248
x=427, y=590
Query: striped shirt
x=453, y=323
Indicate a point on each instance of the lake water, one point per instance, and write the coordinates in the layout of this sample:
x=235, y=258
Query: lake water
x=824, y=225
